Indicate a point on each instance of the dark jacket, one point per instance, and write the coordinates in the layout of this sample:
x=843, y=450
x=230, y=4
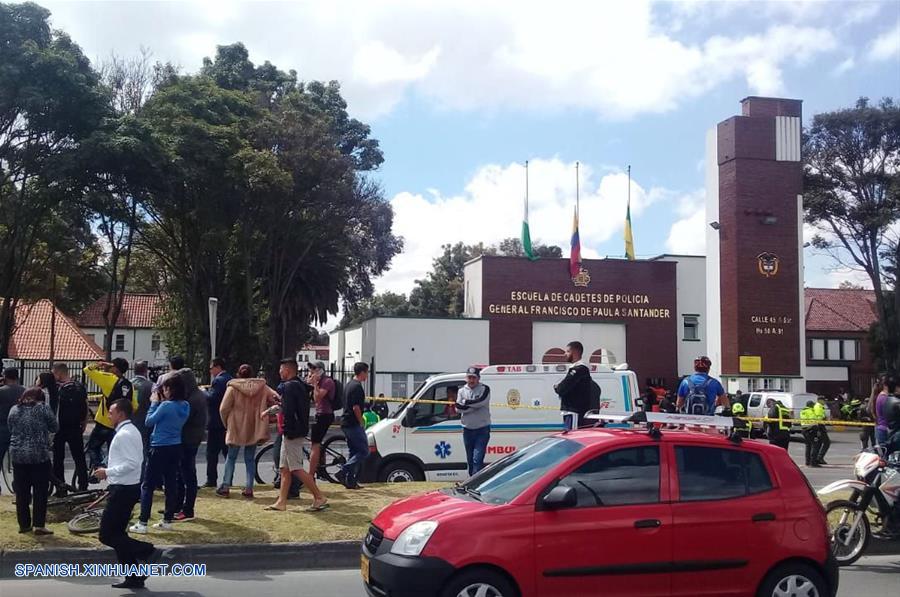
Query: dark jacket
x=143, y=387
x=73, y=405
x=214, y=397
x=295, y=408
x=9, y=395
x=195, y=426
x=575, y=390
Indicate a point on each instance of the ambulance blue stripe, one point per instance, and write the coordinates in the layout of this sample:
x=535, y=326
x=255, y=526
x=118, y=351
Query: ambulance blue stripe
x=627, y=393
x=523, y=427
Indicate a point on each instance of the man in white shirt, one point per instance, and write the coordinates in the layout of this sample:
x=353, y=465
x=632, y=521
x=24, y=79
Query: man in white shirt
x=125, y=458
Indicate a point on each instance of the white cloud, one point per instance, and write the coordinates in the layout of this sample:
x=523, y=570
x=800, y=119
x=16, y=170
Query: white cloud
x=491, y=206
x=687, y=236
x=613, y=59
x=843, y=66
x=887, y=45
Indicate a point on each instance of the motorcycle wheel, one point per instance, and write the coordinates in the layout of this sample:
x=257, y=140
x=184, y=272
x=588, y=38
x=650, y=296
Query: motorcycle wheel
x=842, y=516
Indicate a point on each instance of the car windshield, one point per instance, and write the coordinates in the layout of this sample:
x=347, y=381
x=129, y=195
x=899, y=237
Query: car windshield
x=505, y=479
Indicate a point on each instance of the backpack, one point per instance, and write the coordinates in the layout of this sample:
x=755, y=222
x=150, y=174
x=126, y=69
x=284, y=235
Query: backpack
x=596, y=392
x=337, y=400
x=696, y=402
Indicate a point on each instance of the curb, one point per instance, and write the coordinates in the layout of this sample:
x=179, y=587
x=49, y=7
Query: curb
x=217, y=557
x=332, y=555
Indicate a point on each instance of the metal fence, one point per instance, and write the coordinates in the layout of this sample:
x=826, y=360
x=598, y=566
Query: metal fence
x=345, y=375
x=29, y=371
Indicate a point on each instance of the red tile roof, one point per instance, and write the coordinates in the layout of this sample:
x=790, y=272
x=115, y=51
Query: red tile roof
x=31, y=336
x=838, y=310
x=138, y=311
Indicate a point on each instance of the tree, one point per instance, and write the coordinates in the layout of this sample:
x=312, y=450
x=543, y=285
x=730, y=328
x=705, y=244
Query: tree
x=852, y=196
x=848, y=285
x=50, y=100
x=385, y=304
x=512, y=247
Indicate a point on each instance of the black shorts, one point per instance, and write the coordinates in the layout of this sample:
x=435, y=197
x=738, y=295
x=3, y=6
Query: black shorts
x=320, y=428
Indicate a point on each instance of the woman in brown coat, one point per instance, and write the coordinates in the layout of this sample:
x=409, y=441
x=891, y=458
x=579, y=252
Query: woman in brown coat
x=245, y=398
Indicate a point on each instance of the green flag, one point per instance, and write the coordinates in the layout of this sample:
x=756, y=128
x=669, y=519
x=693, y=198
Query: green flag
x=526, y=231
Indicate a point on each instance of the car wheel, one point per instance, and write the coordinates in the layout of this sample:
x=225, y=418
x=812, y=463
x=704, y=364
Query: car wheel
x=401, y=471
x=479, y=582
x=794, y=580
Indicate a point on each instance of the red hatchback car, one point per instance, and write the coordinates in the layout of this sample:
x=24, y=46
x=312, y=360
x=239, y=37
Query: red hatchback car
x=611, y=512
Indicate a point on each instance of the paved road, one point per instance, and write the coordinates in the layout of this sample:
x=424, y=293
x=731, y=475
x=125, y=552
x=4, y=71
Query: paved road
x=871, y=577
x=844, y=446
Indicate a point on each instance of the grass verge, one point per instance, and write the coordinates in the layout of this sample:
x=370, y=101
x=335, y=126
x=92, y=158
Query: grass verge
x=236, y=520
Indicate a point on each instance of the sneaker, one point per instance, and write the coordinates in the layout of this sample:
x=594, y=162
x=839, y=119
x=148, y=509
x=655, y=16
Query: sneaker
x=139, y=528
x=222, y=492
x=42, y=531
x=210, y=485
x=247, y=493
x=163, y=525
x=182, y=517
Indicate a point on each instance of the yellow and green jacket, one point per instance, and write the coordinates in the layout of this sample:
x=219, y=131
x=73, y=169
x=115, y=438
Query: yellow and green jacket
x=112, y=388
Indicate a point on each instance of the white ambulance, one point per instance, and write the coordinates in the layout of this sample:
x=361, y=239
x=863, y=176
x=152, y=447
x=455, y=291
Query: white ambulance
x=423, y=441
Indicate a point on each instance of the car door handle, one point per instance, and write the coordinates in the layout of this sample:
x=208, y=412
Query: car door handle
x=763, y=517
x=650, y=523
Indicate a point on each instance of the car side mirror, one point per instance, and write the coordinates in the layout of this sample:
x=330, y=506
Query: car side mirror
x=561, y=496
x=409, y=416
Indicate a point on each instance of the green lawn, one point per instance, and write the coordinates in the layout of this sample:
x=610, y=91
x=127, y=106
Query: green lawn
x=237, y=520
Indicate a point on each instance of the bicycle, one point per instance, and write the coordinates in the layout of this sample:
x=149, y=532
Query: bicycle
x=90, y=515
x=334, y=456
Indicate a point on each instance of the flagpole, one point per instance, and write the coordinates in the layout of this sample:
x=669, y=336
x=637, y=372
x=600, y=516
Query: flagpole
x=526, y=189
x=629, y=185
x=577, y=181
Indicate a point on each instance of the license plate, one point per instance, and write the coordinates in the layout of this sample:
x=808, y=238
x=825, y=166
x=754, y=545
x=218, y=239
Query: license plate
x=364, y=568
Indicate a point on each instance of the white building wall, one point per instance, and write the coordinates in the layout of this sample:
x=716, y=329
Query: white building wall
x=472, y=277
x=713, y=288
x=691, y=294
x=430, y=345
x=138, y=344
x=608, y=336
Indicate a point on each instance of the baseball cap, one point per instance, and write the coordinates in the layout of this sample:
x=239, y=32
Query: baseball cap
x=473, y=371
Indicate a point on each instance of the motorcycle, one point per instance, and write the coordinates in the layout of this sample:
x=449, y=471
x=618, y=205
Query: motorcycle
x=873, y=495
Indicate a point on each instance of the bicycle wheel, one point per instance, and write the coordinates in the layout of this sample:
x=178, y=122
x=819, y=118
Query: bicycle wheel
x=6, y=474
x=266, y=469
x=86, y=522
x=335, y=454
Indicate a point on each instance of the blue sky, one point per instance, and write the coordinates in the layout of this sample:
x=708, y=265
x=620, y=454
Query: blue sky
x=461, y=93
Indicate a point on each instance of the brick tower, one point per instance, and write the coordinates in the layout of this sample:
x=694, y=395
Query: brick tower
x=754, y=208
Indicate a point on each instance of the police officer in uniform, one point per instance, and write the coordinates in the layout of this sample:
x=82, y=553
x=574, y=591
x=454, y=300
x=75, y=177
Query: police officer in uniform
x=810, y=433
x=824, y=442
x=778, y=431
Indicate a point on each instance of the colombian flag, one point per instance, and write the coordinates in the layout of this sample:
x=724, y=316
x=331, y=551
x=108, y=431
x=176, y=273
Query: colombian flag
x=629, y=238
x=575, y=254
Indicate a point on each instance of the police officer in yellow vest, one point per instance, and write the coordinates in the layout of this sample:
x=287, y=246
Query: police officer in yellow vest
x=824, y=442
x=810, y=433
x=778, y=431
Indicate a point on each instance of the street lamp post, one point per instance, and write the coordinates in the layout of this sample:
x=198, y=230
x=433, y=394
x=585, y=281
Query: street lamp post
x=213, y=313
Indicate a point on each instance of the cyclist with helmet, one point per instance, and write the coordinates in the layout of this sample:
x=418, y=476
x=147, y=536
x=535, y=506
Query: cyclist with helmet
x=700, y=394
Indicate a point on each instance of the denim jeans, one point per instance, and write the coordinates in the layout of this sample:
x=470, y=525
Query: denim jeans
x=882, y=435
x=162, y=469
x=100, y=435
x=358, y=445
x=476, y=441
x=249, y=465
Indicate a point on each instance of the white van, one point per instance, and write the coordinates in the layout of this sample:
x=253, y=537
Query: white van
x=756, y=405
x=424, y=441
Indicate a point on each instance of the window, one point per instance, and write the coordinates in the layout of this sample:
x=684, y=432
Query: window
x=154, y=343
x=691, y=327
x=622, y=477
x=554, y=355
x=120, y=343
x=399, y=385
x=419, y=379
x=505, y=479
x=821, y=349
x=755, y=399
x=719, y=474
x=430, y=414
x=602, y=356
